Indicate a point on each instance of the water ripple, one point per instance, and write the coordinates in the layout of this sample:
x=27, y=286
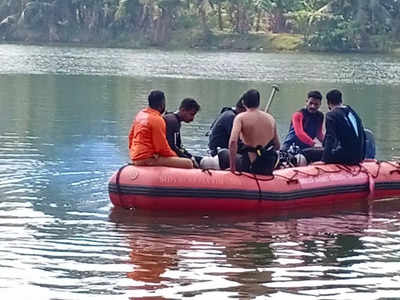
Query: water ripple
x=350, y=68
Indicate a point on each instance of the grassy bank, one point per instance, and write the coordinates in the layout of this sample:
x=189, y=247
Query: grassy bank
x=181, y=40
x=259, y=42
x=192, y=39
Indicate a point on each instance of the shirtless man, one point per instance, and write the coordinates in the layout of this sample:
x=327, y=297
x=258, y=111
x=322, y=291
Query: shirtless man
x=257, y=130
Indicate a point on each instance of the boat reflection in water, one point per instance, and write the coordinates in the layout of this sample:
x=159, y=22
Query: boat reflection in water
x=336, y=251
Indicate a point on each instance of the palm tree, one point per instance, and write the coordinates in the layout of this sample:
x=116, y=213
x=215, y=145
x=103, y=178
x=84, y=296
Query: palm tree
x=369, y=16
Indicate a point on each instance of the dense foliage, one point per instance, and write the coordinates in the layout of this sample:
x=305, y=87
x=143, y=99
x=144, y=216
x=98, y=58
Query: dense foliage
x=340, y=25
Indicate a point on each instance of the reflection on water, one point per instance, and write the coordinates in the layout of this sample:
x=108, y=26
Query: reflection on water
x=65, y=115
x=334, y=255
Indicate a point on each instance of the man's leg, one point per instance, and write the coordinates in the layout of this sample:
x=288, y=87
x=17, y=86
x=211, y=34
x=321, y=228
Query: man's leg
x=242, y=161
x=312, y=154
x=210, y=162
x=173, y=162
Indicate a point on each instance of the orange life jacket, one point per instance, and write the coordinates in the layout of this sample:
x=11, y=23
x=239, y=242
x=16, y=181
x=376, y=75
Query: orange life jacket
x=147, y=136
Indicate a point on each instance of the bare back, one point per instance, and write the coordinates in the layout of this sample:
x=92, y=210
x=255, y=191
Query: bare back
x=258, y=128
x=255, y=127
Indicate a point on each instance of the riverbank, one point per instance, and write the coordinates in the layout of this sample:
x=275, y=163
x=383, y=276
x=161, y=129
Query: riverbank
x=214, y=41
x=183, y=40
x=258, y=42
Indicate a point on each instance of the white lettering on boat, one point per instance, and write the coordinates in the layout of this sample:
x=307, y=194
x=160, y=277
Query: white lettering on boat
x=332, y=179
x=199, y=181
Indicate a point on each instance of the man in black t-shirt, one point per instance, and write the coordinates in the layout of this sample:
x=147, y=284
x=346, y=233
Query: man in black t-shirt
x=344, y=137
x=186, y=113
x=221, y=128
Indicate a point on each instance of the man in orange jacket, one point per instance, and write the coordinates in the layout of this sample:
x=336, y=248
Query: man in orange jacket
x=148, y=145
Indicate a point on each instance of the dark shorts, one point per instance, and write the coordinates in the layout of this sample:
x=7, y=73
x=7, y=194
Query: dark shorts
x=312, y=154
x=263, y=165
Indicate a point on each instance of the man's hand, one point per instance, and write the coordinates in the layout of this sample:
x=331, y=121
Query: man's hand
x=317, y=143
x=195, y=164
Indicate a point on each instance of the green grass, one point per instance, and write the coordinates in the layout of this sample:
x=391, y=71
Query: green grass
x=285, y=41
x=258, y=42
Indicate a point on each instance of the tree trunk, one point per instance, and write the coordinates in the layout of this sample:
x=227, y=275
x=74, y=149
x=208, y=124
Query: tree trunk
x=243, y=19
x=146, y=23
x=362, y=19
x=277, y=22
x=396, y=28
x=203, y=16
x=161, y=28
x=236, y=18
x=220, y=21
x=21, y=4
x=258, y=19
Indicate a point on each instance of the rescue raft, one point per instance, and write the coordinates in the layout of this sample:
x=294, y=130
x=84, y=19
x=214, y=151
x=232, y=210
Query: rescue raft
x=171, y=189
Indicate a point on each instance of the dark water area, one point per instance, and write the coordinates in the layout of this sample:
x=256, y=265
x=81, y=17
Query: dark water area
x=65, y=116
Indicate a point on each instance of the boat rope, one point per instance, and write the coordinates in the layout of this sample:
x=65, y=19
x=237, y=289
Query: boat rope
x=354, y=171
x=117, y=181
x=208, y=171
x=257, y=179
x=396, y=165
x=259, y=188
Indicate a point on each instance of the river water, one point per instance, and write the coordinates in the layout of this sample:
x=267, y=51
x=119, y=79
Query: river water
x=65, y=115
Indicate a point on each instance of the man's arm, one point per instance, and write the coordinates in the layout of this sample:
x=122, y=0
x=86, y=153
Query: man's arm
x=320, y=134
x=330, y=141
x=130, y=138
x=277, y=143
x=171, y=129
x=297, y=121
x=174, y=136
x=233, y=142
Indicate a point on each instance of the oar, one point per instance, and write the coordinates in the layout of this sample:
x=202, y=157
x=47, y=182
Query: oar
x=275, y=89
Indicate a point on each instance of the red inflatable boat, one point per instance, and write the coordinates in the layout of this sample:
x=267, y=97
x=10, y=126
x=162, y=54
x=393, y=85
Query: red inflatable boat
x=161, y=188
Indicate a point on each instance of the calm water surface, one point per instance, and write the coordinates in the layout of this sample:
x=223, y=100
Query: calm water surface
x=65, y=114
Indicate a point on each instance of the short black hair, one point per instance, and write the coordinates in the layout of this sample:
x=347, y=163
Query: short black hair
x=156, y=99
x=239, y=104
x=334, y=97
x=189, y=104
x=314, y=94
x=251, y=98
